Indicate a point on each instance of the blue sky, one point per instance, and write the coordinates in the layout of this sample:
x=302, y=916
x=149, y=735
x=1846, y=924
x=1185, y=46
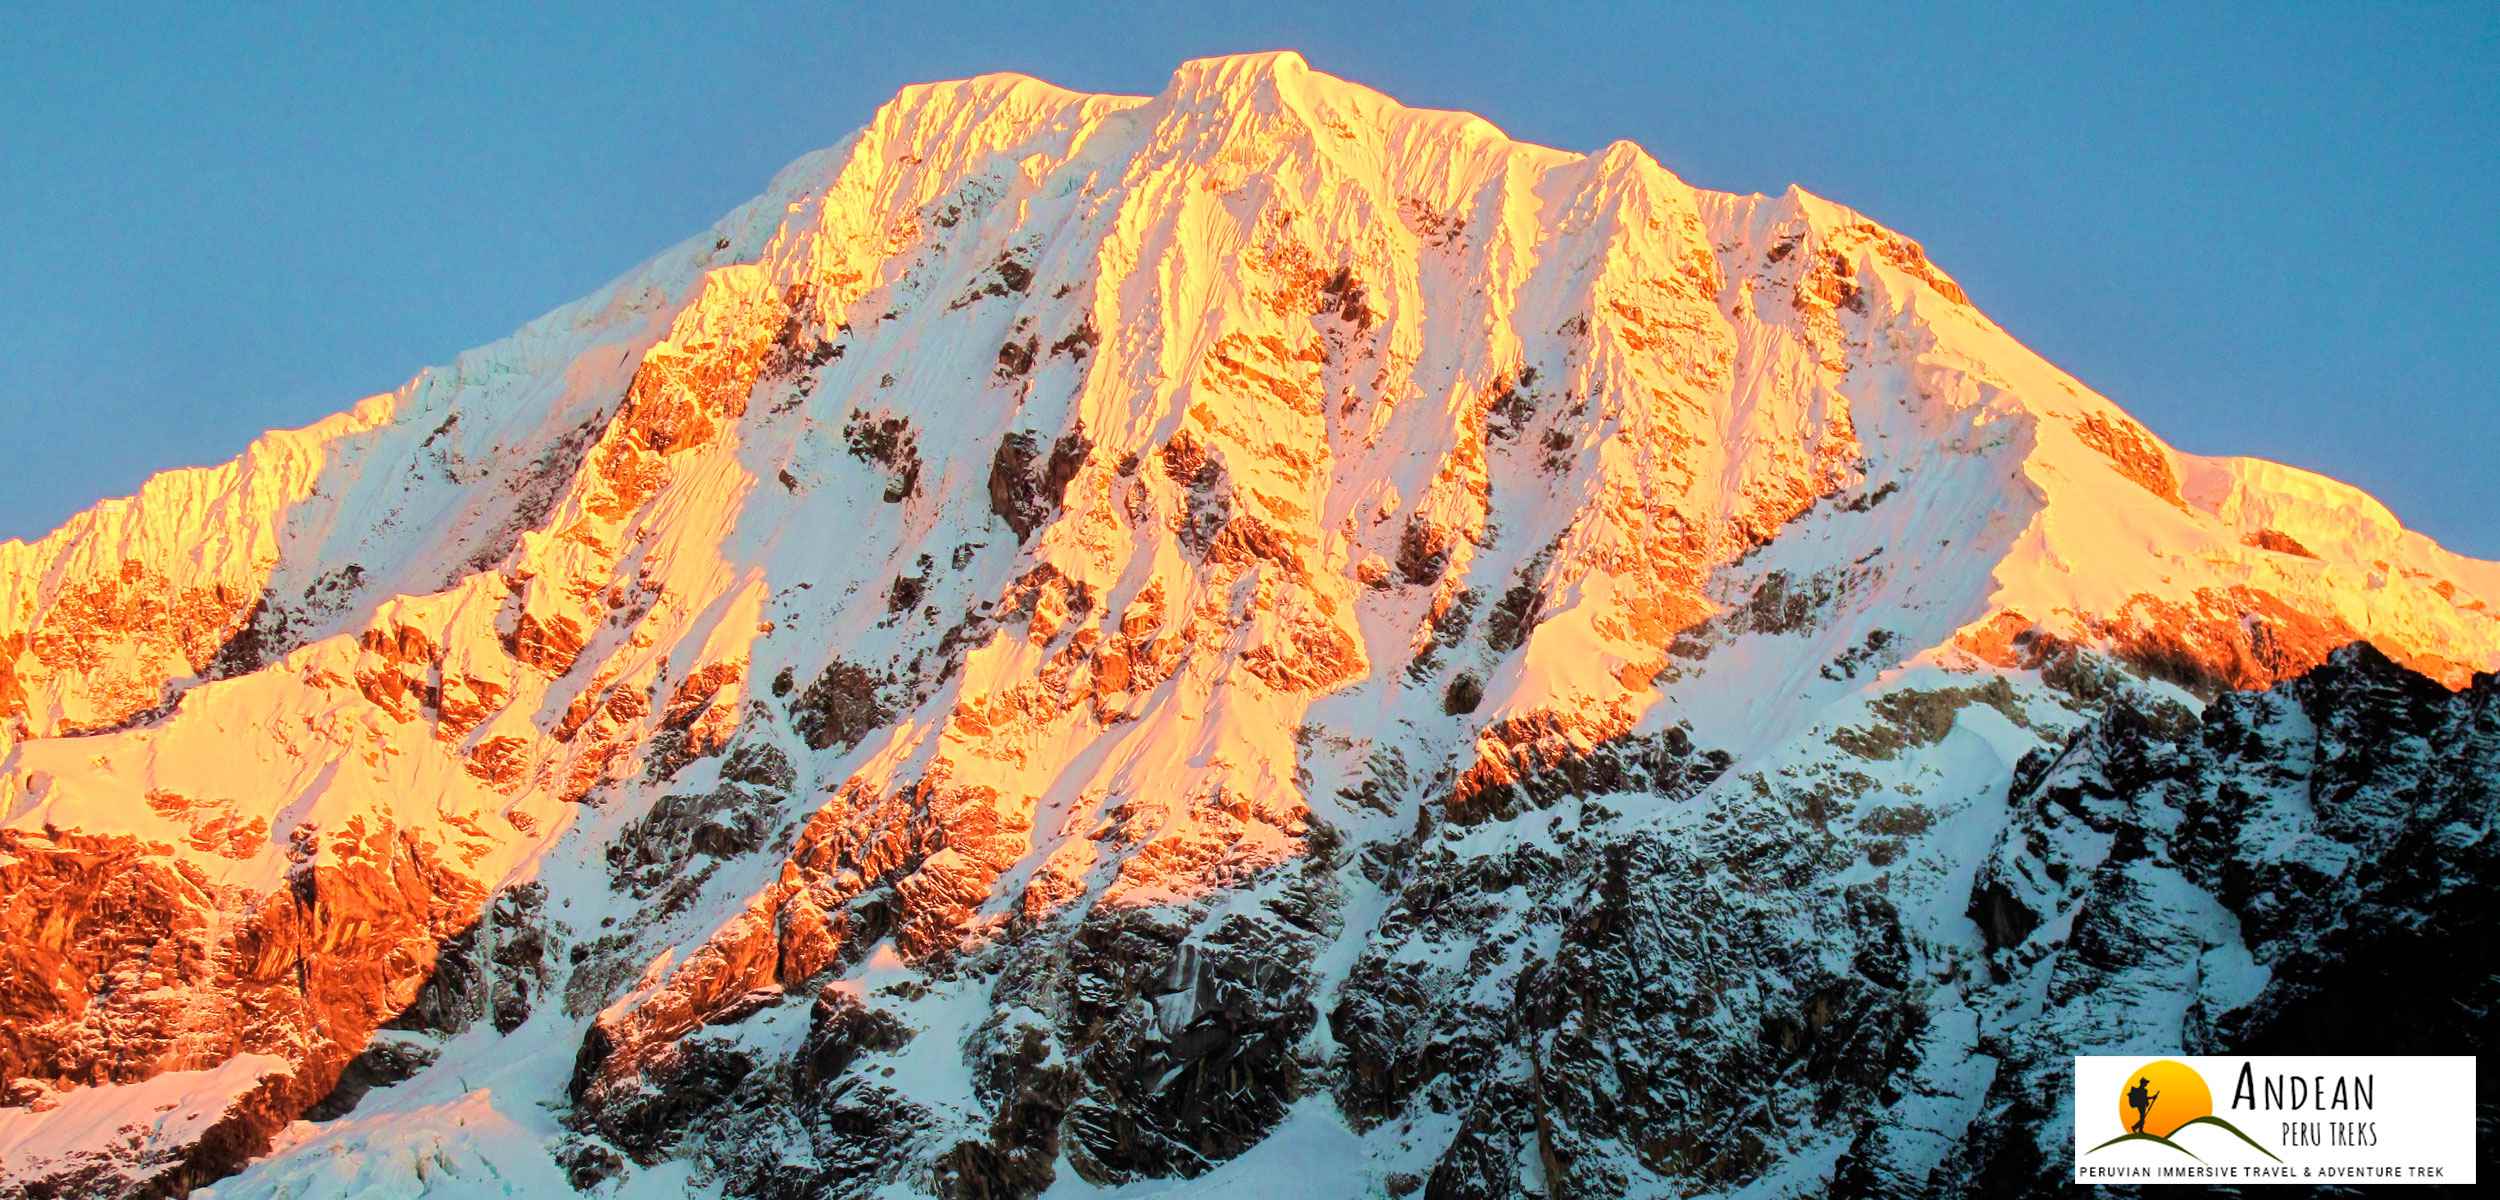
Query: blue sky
x=2269, y=233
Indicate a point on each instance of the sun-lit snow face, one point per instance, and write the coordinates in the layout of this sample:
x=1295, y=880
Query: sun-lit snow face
x=2176, y=1095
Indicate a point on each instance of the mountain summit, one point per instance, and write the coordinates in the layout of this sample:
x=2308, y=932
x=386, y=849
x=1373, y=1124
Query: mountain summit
x=1247, y=635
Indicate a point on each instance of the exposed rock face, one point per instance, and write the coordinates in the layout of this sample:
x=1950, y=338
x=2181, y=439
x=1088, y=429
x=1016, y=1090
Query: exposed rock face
x=133, y=969
x=2296, y=866
x=1091, y=640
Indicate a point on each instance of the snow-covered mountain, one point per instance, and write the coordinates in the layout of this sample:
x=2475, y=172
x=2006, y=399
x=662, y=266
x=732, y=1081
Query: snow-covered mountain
x=1101, y=644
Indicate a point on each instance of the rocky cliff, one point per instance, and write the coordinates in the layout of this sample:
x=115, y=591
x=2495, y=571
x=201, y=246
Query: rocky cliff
x=1196, y=640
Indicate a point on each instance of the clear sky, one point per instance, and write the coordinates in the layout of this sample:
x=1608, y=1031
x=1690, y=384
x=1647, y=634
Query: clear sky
x=2273, y=231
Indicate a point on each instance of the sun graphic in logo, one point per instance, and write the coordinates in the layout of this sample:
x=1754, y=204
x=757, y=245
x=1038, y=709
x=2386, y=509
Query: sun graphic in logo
x=2161, y=1096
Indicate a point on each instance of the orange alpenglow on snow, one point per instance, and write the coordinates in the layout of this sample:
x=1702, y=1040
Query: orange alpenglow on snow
x=1088, y=589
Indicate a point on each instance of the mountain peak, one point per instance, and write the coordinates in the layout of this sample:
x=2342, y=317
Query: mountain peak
x=1240, y=74
x=1226, y=89
x=993, y=661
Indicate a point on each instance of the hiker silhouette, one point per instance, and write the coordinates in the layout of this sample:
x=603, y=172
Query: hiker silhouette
x=2141, y=1101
